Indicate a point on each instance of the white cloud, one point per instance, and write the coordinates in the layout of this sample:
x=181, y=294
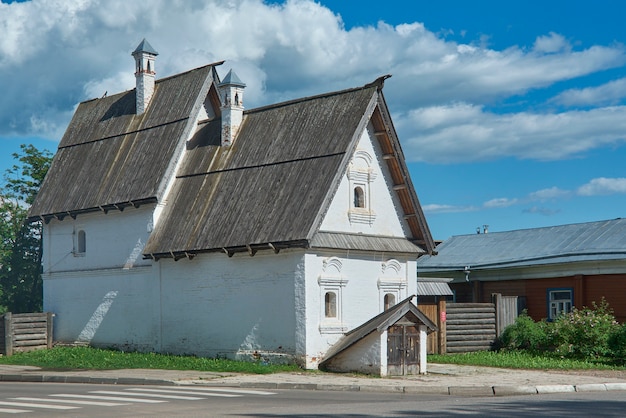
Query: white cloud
x=57, y=53
x=436, y=208
x=500, y=202
x=551, y=43
x=603, y=186
x=541, y=211
x=610, y=93
x=466, y=132
x=549, y=193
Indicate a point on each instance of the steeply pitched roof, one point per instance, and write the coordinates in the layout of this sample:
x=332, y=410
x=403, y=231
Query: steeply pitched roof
x=379, y=324
x=269, y=186
x=110, y=156
x=270, y=189
x=603, y=240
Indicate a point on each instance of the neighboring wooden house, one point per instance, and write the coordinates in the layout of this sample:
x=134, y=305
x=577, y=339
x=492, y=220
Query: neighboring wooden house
x=550, y=269
x=175, y=221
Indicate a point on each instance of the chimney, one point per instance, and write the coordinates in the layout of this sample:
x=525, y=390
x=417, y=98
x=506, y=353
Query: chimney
x=231, y=90
x=144, y=56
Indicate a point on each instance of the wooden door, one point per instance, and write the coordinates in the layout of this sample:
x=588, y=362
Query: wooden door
x=402, y=350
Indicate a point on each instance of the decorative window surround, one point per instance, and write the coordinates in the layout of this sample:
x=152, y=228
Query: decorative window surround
x=331, y=281
x=391, y=282
x=361, y=175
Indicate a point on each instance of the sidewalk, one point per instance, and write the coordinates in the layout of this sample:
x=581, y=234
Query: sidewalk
x=442, y=379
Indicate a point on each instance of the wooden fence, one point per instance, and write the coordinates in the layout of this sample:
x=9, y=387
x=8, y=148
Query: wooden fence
x=475, y=326
x=25, y=332
x=470, y=327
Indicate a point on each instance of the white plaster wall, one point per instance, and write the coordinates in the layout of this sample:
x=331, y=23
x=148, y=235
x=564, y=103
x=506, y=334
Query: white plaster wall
x=113, y=240
x=360, y=298
x=364, y=356
x=382, y=199
x=214, y=305
x=112, y=307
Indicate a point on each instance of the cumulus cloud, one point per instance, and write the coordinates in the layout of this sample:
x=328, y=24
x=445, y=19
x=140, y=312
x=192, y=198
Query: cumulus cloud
x=500, y=202
x=435, y=208
x=467, y=132
x=58, y=53
x=603, y=186
x=610, y=93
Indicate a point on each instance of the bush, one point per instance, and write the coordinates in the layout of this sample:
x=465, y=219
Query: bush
x=524, y=334
x=584, y=333
x=617, y=343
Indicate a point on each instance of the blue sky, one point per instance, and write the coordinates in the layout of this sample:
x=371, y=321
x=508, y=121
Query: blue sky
x=511, y=114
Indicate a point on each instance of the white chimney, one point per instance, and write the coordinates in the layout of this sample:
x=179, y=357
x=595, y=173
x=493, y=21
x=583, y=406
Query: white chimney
x=231, y=90
x=144, y=56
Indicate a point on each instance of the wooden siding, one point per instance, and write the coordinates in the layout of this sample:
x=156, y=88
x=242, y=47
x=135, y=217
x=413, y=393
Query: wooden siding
x=109, y=155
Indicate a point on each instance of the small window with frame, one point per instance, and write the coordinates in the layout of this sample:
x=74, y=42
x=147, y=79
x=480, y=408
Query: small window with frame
x=560, y=302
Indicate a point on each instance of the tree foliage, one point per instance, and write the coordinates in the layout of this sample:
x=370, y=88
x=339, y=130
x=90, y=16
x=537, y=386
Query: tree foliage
x=20, y=246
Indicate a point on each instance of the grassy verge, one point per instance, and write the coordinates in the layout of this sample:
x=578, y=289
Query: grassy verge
x=93, y=358
x=523, y=360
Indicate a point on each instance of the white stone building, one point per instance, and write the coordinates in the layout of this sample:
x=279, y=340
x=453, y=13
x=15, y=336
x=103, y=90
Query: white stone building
x=176, y=221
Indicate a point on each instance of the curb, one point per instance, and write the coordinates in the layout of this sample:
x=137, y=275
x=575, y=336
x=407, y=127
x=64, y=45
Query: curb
x=464, y=391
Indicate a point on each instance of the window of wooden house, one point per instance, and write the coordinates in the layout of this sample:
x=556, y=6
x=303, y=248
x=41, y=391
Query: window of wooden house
x=560, y=301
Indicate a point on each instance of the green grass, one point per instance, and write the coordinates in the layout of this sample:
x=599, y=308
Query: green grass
x=94, y=358
x=523, y=360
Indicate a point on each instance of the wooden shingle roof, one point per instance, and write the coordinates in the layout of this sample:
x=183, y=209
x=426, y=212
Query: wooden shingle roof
x=271, y=184
x=270, y=189
x=110, y=157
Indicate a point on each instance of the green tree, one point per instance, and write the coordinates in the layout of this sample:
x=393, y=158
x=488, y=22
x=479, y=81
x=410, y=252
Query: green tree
x=20, y=246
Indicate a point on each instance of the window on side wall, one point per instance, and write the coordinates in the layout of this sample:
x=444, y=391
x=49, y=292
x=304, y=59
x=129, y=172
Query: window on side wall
x=390, y=300
x=559, y=302
x=330, y=305
x=80, y=245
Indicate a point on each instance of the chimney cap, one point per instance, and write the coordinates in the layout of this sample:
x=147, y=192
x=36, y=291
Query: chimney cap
x=144, y=46
x=231, y=79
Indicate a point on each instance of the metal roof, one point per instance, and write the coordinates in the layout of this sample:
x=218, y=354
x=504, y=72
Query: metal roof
x=602, y=240
x=144, y=46
x=433, y=287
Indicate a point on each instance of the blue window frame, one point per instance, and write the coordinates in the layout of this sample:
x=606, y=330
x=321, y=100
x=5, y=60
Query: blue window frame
x=560, y=301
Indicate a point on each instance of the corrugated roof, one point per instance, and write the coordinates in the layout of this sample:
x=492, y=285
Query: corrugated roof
x=109, y=155
x=433, y=287
x=527, y=247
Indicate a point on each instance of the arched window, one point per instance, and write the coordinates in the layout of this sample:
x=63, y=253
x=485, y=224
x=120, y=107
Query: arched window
x=330, y=305
x=359, y=197
x=390, y=300
x=81, y=242
x=149, y=70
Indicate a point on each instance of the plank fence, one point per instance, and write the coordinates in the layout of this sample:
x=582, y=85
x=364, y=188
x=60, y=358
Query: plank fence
x=25, y=332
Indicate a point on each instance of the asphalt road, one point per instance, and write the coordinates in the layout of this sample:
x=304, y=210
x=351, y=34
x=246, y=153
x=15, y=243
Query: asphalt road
x=85, y=400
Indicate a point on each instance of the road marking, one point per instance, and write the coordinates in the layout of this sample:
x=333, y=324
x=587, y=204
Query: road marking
x=13, y=411
x=72, y=401
x=37, y=405
x=229, y=390
x=222, y=395
x=150, y=395
x=107, y=398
